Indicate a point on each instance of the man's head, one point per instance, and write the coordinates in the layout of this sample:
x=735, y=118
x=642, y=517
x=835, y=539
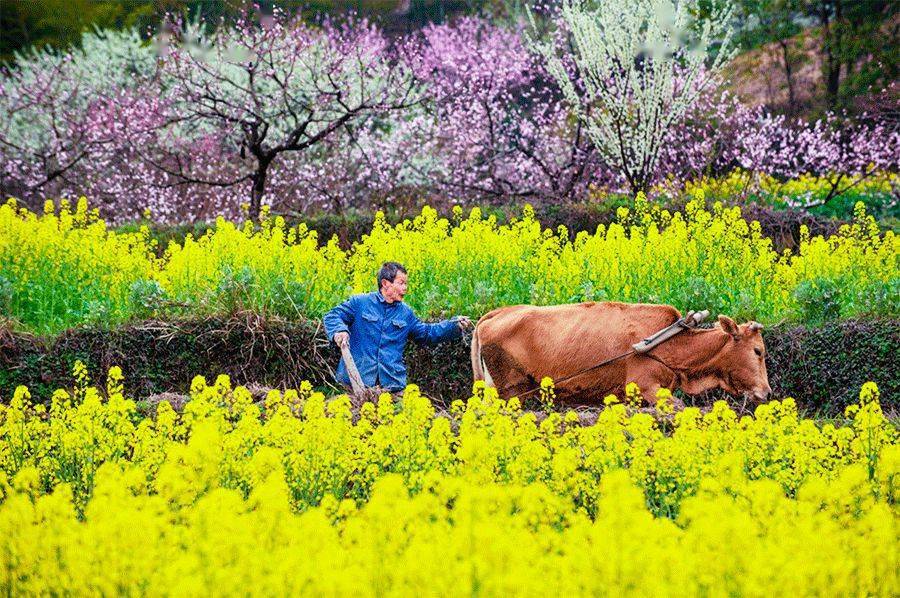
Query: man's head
x=392, y=281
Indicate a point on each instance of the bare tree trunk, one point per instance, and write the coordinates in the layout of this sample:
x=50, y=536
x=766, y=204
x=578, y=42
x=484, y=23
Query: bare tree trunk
x=788, y=72
x=259, y=187
x=831, y=32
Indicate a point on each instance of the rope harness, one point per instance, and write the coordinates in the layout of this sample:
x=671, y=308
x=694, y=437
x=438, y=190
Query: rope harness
x=691, y=320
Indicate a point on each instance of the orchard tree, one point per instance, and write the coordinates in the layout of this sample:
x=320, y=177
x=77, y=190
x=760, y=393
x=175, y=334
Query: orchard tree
x=263, y=90
x=495, y=127
x=631, y=70
x=56, y=112
x=841, y=151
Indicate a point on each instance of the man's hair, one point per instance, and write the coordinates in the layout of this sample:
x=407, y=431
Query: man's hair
x=389, y=271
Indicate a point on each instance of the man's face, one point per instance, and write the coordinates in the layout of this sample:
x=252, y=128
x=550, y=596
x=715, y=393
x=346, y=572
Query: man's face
x=394, y=291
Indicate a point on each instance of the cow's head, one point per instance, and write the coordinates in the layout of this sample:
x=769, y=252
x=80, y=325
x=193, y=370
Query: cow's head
x=743, y=361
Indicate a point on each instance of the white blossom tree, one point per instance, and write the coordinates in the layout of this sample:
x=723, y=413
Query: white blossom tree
x=632, y=69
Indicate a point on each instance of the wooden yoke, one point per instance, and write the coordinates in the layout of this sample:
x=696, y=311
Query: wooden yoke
x=691, y=320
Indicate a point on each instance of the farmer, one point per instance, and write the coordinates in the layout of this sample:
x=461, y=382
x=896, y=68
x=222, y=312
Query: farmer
x=376, y=326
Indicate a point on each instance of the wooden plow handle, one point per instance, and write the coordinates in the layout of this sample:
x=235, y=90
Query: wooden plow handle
x=356, y=382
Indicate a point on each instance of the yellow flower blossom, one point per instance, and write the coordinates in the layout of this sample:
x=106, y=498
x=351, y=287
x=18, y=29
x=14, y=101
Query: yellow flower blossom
x=398, y=497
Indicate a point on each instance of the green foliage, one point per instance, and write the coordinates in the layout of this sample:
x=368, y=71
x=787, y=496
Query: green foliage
x=821, y=364
x=854, y=44
x=858, y=45
x=819, y=300
x=146, y=298
x=766, y=21
x=60, y=23
x=6, y=296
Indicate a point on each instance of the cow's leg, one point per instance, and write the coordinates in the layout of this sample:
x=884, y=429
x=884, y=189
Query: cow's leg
x=650, y=378
x=510, y=378
x=514, y=382
x=518, y=387
x=650, y=396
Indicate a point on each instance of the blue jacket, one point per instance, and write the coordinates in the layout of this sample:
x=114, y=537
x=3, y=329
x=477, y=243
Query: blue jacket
x=378, y=332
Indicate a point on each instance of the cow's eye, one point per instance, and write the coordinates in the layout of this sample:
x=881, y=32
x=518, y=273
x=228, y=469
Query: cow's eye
x=758, y=351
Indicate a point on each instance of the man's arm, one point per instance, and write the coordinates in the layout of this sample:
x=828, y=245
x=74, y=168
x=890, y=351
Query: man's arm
x=339, y=318
x=432, y=334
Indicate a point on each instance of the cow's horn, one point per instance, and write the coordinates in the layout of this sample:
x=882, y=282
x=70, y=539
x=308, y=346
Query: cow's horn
x=701, y=315
x=755, y=326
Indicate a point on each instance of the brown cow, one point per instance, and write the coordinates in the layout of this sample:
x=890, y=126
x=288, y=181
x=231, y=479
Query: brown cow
x=514, y=347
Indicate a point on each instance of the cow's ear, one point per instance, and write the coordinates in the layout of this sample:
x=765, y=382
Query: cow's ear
x=729, y=326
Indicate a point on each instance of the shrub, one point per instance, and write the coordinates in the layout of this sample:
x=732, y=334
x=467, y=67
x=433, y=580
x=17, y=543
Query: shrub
x=821, y=366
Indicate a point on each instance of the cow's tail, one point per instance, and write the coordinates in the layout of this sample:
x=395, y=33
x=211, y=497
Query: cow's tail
x=479, y=369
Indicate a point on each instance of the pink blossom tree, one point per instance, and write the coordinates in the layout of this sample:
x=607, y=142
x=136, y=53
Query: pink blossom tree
x=57, y=127
x=842, y=150
x=255, y=92
x=495, y=122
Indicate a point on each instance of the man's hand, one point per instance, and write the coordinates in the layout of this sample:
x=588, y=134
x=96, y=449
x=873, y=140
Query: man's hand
x=341, y=338
x=464, y=322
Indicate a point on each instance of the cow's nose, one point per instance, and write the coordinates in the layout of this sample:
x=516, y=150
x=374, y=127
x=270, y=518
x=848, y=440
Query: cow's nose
x=763, y=394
